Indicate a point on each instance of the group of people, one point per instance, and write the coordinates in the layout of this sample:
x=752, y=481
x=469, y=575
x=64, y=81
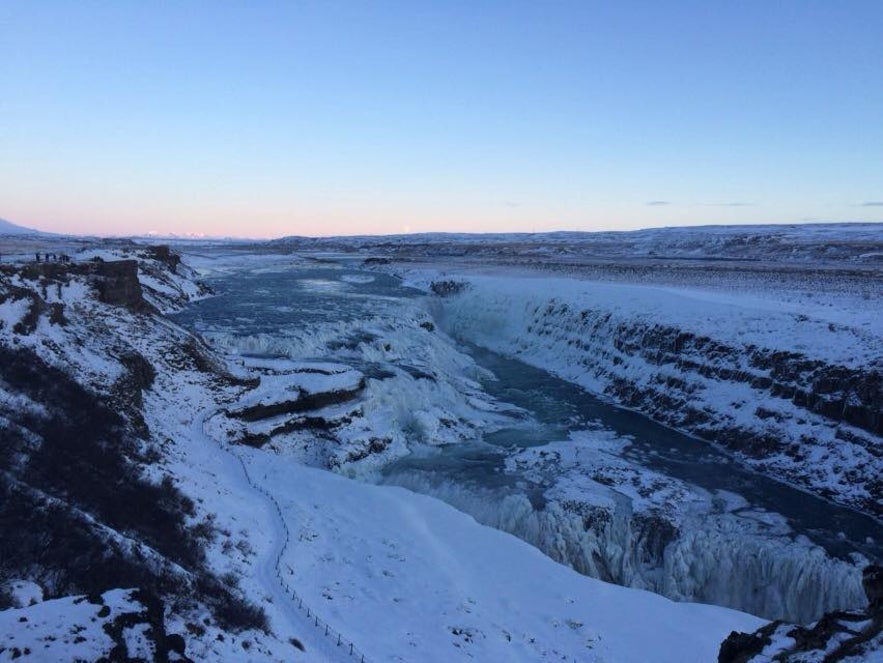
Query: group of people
x=48, y=257
x=53, y=257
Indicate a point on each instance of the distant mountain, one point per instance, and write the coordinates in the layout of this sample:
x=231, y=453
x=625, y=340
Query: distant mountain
x=7, y=228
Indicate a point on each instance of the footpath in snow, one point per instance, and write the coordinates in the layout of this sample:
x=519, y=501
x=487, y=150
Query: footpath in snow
x=410, y=578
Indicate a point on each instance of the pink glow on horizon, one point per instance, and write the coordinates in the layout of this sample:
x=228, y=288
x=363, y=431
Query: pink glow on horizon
x=268, y=223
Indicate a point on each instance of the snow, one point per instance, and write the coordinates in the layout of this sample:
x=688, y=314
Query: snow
x=403, y=576
x=779, y=641
x=570, y=327
x=301, y=380
x=430, y=398
x=357, y=278
x=65, y=629
x=410, y=578
x=64, y=342
x=250, y=536
x=7, y=228
x=23, y=593
x=503, y=306
x=137, y=642
x=345, y=534
x=12, y=311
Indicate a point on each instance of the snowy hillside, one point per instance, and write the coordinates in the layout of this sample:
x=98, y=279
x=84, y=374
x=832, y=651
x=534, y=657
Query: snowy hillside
x=115, y=624
x=246, y=557
x=89, y=504
x=409, y=578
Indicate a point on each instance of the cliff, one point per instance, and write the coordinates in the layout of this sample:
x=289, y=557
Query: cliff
x=794, y=392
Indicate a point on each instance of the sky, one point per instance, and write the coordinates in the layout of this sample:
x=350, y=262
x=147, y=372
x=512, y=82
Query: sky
x=264, y=119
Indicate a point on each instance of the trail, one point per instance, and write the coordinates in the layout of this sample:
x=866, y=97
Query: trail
x=301, y=618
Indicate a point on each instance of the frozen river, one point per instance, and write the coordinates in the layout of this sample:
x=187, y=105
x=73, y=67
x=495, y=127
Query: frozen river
x=672, y=502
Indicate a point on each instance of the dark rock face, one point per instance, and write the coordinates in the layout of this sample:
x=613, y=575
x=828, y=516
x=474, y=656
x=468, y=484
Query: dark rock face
x=375, y=445
x=162, y=253
x=872, y=581
x=303, y=403
x=128, y=391
x=836, y=636
x=117, y=283
x=742, y=647
x=368, y=262
x=256, y=440
x=853, y=396
x=447, y=288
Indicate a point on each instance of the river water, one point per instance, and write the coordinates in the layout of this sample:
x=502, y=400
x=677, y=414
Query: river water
x=290, y=301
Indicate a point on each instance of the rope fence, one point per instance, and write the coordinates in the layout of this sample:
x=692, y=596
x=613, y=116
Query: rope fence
x=330, y=632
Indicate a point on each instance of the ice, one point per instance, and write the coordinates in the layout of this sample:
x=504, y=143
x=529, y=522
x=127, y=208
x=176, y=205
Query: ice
x=717, y=559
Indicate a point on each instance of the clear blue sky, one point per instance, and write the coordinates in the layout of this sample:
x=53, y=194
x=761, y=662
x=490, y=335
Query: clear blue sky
x=267, y=119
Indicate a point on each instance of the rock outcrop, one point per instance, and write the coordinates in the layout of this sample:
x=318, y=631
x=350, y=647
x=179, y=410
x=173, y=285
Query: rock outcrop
x=115, y=281
x=302, y=402
x=301, y=397
x=838, y=636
